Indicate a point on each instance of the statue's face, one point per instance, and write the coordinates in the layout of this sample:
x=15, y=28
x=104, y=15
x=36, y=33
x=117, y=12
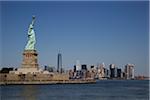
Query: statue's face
x=31, y=26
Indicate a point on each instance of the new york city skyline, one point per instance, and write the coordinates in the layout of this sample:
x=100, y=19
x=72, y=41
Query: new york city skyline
x=92, y=32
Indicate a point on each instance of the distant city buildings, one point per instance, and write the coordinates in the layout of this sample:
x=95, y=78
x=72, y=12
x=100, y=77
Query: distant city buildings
x=101, y=72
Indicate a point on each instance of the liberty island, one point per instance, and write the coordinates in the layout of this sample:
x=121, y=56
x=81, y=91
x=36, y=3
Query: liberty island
x=30, y=73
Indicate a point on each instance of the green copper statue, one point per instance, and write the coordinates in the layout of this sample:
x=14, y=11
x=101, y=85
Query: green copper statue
x=31, y=36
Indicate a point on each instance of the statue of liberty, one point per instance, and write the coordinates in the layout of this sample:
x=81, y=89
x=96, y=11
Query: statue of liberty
x=31, y=36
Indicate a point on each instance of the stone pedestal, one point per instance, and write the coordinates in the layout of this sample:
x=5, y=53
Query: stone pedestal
x=29, y=63
x=30, y=59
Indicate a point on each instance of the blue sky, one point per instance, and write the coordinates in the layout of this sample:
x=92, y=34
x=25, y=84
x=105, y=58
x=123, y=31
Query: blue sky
x=91, y=32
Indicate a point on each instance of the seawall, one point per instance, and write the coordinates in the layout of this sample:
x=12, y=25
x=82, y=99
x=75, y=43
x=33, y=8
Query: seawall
x=76, y=81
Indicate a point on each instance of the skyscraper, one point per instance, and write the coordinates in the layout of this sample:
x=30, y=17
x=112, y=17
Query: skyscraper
x=84, y=67
x=100, y=71
x=112, y=70
x=119, y=73
x=129, y=71
x=59, y=63
x=78, y=66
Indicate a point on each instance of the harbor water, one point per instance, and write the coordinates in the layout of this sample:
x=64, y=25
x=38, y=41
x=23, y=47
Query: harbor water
x=101, y=90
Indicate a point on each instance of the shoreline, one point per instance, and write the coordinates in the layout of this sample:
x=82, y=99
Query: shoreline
x=48, y=82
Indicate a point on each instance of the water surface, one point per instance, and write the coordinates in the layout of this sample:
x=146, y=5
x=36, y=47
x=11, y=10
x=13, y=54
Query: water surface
x=102, y=90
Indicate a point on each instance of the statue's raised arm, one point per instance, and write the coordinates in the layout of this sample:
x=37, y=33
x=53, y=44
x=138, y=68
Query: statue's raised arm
x=31, y=36
x=33, y=20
